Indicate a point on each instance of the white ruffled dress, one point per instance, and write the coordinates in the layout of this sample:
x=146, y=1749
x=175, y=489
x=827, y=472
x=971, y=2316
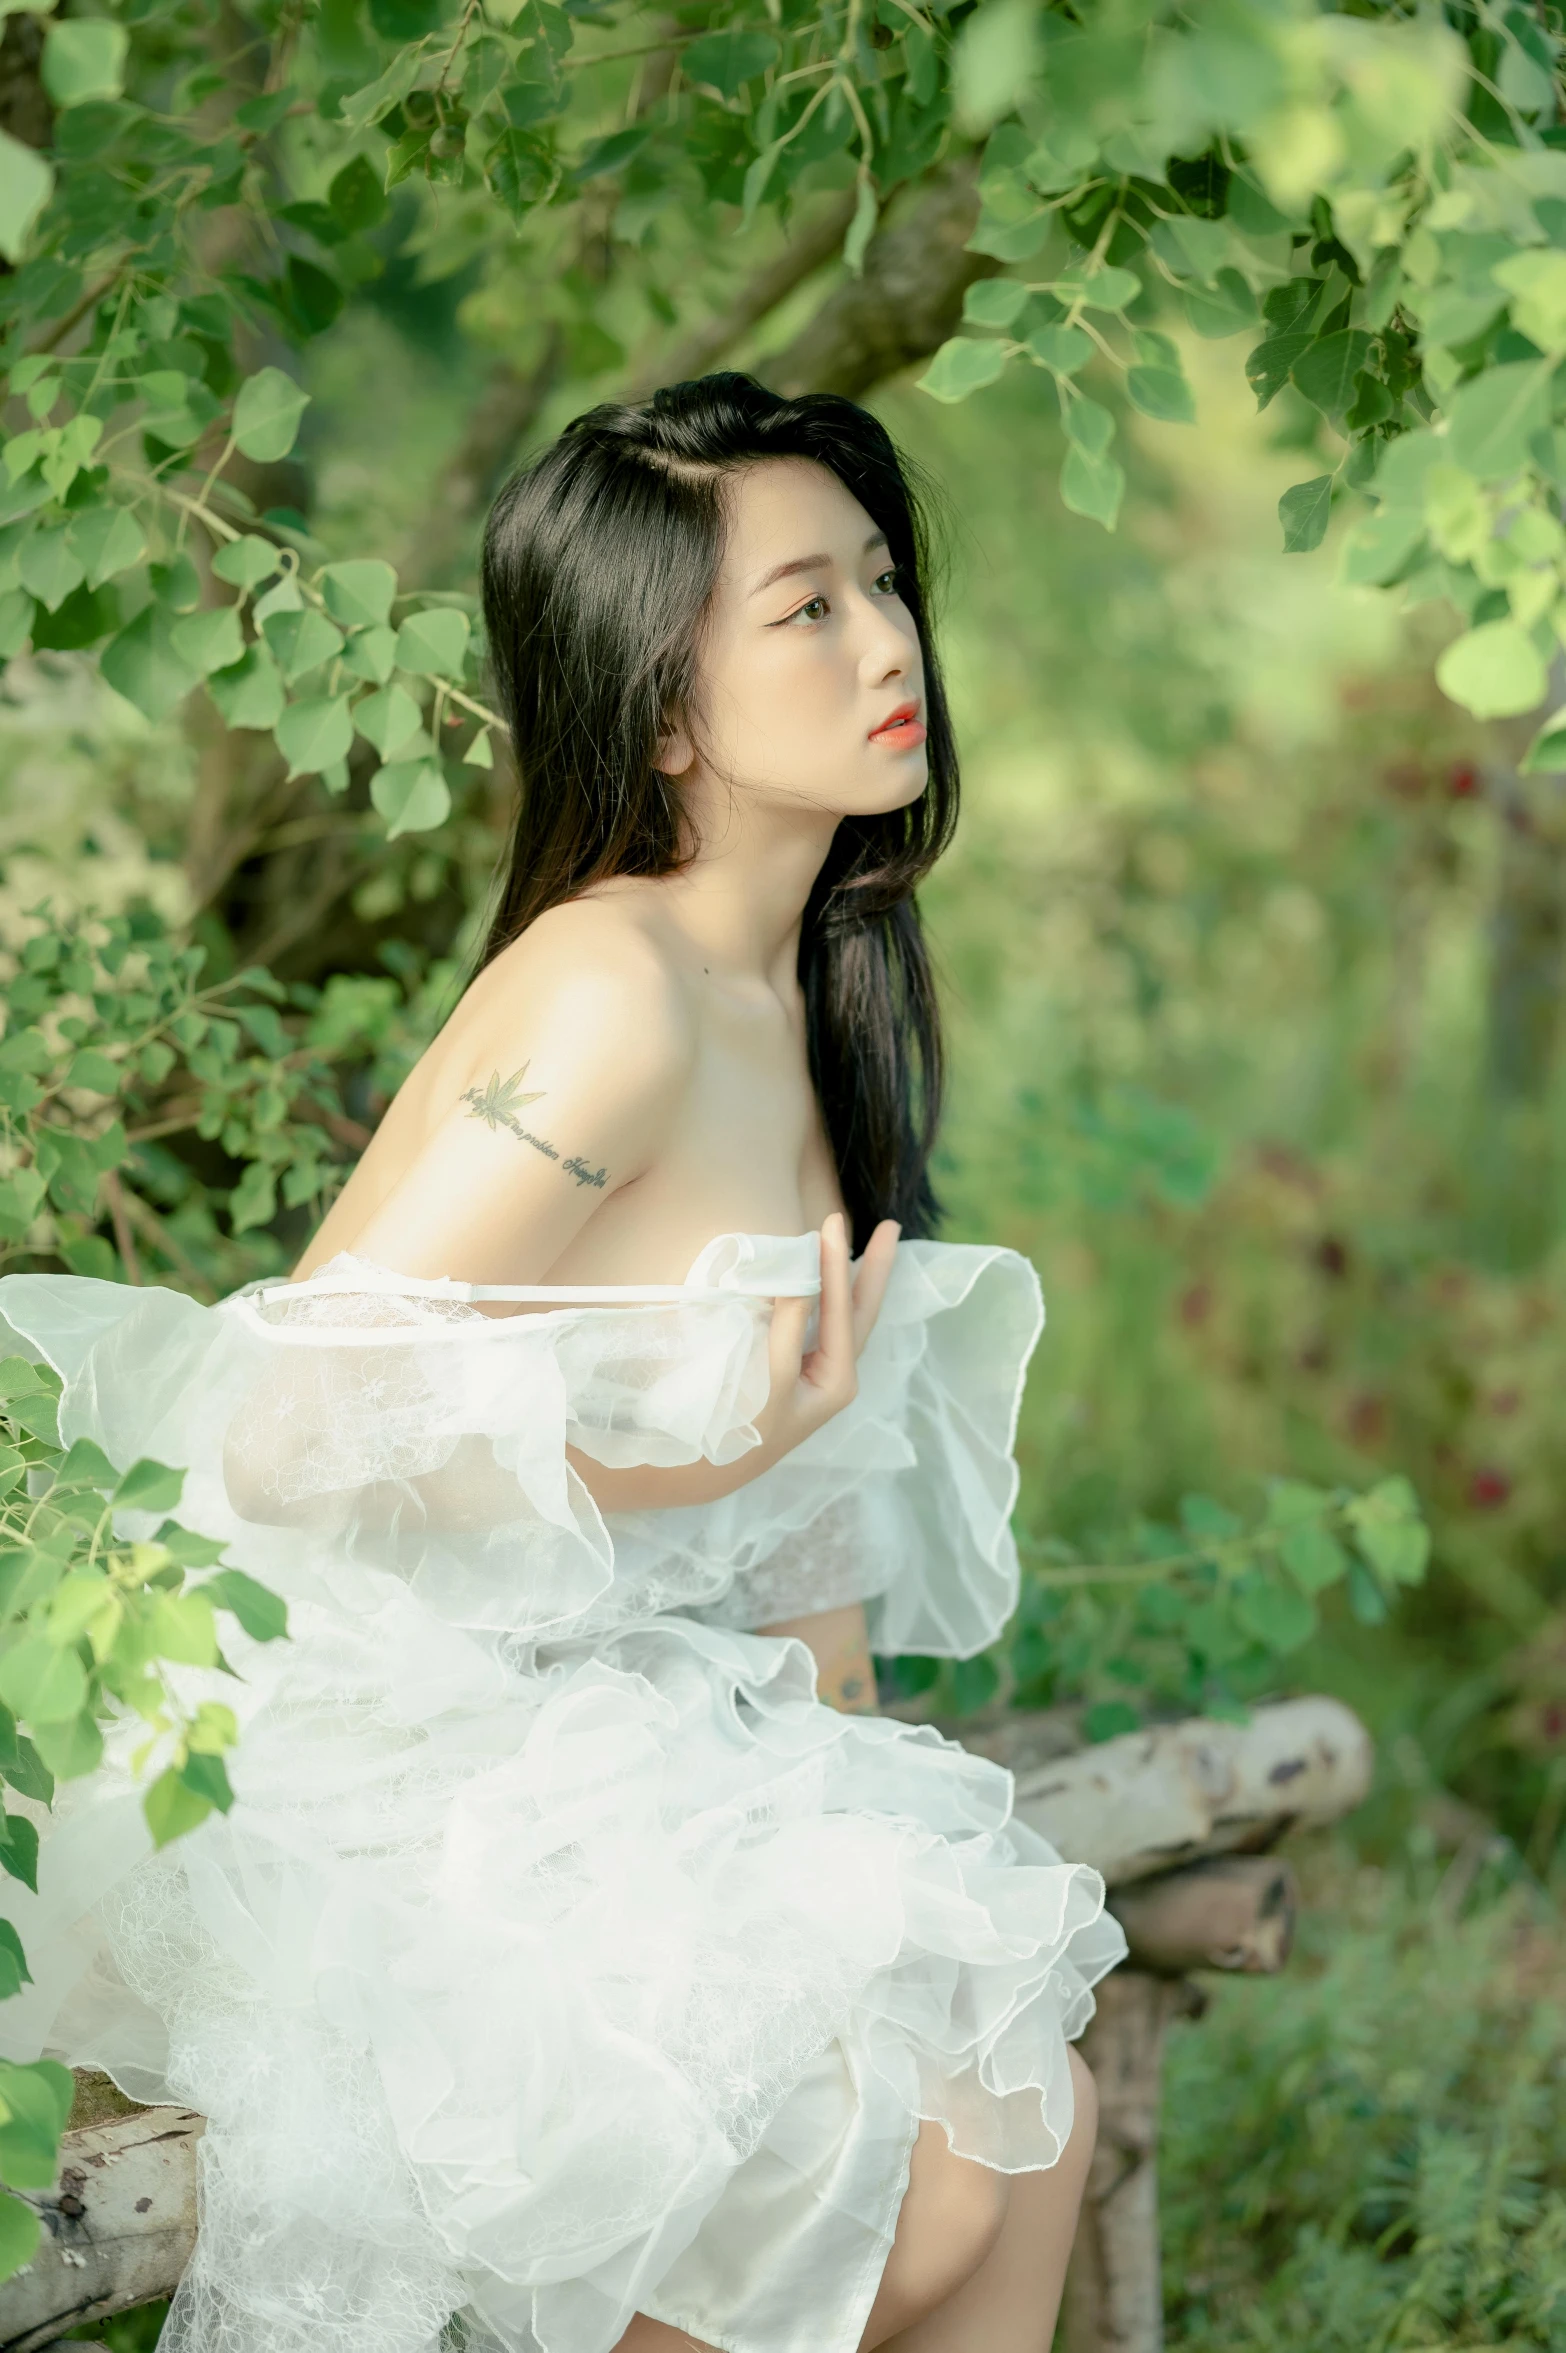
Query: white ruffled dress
x=562, y=1956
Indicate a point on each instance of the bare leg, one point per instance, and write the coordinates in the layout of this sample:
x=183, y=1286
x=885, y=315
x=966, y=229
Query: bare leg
x=1009, y=2301
x=651, y=2336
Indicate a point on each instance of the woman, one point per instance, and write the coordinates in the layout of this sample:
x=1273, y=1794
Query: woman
x=568, y=1975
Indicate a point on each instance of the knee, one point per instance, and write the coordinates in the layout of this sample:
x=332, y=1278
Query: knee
x=1084, y=2120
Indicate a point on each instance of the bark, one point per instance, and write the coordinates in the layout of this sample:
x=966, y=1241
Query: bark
x=905, y=302
x=118, y=2226
x=705, y=345
x=1232, y=1912
x=1150, y=1800
x=1114, y=2288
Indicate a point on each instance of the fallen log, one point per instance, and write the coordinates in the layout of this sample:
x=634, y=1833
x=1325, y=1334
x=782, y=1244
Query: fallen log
x=118, y=2225
x=1167, y=1815
x=1149, y=1800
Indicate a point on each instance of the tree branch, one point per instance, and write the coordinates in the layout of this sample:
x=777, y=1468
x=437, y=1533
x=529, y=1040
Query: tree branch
x=701, y=347
x=906, y=301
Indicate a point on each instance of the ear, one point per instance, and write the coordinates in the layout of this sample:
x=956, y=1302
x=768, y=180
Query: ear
x=676, y=754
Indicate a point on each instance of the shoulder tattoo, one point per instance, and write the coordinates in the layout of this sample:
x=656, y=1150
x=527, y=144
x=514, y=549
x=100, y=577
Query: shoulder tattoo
x=498, y=1106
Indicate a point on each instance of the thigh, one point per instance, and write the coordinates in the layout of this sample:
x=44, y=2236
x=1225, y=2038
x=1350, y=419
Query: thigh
x=951, y=2216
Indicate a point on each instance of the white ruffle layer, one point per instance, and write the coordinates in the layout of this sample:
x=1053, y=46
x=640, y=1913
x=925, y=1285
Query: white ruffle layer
x=562, y=1956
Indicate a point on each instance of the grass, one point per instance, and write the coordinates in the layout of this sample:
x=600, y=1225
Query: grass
x=1368, y=2153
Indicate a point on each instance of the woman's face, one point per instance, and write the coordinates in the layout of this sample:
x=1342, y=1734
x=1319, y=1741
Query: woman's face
x=812, y=686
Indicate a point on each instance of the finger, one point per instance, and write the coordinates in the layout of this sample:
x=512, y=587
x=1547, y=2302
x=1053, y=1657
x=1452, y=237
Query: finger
x=833, y=1356
x=875, y=1272
x=786, y=1342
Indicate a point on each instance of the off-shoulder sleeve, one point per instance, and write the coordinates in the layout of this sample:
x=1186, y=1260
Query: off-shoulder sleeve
x=904, y=1501
x=333, y=1439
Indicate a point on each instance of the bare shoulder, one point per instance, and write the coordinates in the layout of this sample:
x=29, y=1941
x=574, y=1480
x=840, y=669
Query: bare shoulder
x=591, y=981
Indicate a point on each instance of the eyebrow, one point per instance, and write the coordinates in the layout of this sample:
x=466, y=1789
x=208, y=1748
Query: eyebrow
x=814, y=563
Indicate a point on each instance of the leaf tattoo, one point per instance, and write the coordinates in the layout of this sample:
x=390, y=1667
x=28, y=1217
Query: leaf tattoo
x=498, y=1104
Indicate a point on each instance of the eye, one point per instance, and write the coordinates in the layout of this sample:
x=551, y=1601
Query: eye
x=815, y=608
x=889, y=582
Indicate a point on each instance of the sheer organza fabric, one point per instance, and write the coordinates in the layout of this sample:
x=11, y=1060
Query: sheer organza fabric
x=563, y=1956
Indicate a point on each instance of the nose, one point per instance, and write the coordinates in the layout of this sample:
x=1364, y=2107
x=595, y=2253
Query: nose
x=890, y=644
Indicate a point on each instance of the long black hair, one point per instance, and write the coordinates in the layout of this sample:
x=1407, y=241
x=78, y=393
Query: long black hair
x=600, y=561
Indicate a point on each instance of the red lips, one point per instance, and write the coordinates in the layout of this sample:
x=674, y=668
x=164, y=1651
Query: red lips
x=903, y=730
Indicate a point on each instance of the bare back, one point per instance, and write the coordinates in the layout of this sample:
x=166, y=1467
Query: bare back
x=600, y=1104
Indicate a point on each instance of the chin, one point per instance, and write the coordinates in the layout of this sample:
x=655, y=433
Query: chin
x=897, y=791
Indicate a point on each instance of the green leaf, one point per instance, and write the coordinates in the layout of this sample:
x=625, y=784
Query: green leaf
x=389, y=720
x=962, y=366
x=84, y=59
x=1326, y=370
x=1092, y=486
x=251, y=694
x=253, y=1202
x=180, y=1628
x=301, y=640
x=149, y=1486
x=142, y=665
x=50, y=567
x=26, y=185
x=207, y=1776
x=19, y=1849
x=1492, y=421
x=1367, y=1599
x=371, y=654
x=725, y=61
x=433, y=644
x=1303, y=512
x=267, y=414
x=14, y=1972
x=209, y=641
x=1495, y=671
x=1389, y=1532
x=480, y=752
x=36, y=2104
x=172, y=1808
x=262, y=1613
x=73, y=1749
x=994, y=302
x=16, y=622
x=108, y=540
x=95, y=1071
x=411, y=796
x=313, y=733
x=1379, y=545
x=1546, y=755
x=1106, y=289
x=1063, y=349
x=995, y=62
x=1223, y=308
x=861, y=228
x=1090, y=425
x=1280, y=1617
x=41, y=1682
x=356, y=196
x=20, y=2231
x=1313, y=1556
x=1107, y=1719
x=247, y=561
x=359, y=591
x=1162, y=393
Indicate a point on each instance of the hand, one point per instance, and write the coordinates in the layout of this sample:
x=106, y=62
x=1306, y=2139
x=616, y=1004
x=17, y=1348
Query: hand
x=808, y=1387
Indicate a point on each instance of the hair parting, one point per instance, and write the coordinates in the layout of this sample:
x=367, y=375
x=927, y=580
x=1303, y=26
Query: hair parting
x=600, y=562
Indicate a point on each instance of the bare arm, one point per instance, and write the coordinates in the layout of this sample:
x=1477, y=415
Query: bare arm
x=546, y=1118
